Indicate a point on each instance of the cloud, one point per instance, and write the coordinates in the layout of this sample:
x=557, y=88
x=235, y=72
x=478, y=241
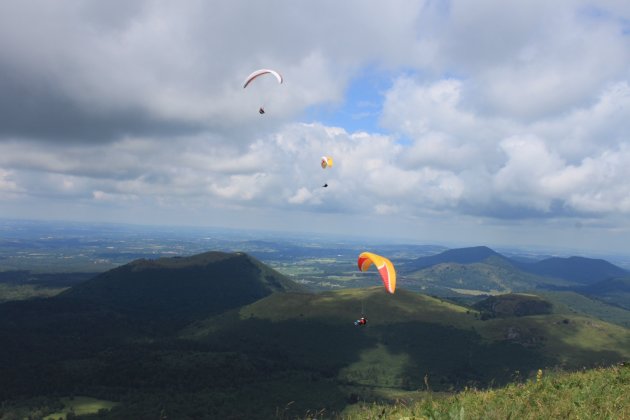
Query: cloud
x=302, y=196
x=7, y=184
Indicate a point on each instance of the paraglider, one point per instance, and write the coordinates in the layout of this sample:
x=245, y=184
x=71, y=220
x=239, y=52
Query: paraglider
x=384, y=266
x=258, y=73
x=327, y=162
x=361, y=321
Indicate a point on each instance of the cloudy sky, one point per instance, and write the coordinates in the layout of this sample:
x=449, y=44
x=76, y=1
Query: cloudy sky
x=485, y=122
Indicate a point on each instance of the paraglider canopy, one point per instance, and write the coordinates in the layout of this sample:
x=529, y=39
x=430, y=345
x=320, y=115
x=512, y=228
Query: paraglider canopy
x=384, y=266
x=326, y=162
x=259, y=73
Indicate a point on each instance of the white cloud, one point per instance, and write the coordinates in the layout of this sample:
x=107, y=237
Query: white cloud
x=7, y=184
x=303, y=195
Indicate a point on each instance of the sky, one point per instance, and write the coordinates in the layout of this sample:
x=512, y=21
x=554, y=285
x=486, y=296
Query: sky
x=454, y=122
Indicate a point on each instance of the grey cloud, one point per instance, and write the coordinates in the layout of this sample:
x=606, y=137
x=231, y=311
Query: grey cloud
x=31, y=111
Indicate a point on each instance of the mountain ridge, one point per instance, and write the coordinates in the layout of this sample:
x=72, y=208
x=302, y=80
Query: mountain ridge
x=482, y=269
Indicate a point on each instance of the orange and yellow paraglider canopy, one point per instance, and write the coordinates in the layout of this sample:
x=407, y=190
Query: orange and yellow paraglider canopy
x=384, y=266
x=326, y=162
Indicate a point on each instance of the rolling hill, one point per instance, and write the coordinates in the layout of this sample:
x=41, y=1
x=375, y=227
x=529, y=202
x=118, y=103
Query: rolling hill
x=575, y=269
x=614, y=291
x=459, y=256
x=568, y=302
x=491, y=276
x=410, y=332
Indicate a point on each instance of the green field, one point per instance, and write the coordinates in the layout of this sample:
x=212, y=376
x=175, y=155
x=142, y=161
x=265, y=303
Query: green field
x=80, y=406
x=574, y=303
x=9, y=292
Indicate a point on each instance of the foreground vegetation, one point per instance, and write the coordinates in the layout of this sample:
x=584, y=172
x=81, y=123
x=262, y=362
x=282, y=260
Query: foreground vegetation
x=602, y=393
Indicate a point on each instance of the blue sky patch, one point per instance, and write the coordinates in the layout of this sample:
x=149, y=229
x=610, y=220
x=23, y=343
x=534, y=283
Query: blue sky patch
x=362, y=104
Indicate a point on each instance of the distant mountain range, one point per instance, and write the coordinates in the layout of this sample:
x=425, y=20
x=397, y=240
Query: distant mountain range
x=477, y=270
x=576, y=269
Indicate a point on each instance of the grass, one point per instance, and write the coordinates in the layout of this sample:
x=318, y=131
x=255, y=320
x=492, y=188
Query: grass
x=410, y=334
x=602, y=393
x=574, y=303
x=80, y=406
x=347, y=304
x=472, y=292
x=572, y=340
x=9, y=292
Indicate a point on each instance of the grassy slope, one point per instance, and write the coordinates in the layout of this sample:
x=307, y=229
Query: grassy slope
x=9, y=292
x=347, y=304
x=571, y=341
x=575, y=303
x=409, y=337
x=597, y=394
x=410, y=334
x=555, y=334
x=614, y=291
x=79, y=406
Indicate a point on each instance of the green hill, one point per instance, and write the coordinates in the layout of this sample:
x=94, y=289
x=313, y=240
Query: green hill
x=567, y=302
x=576, y=269
x=460, y=256
x=410, y=333
x=492, y=276
x=182, y=288
x=615, y=291
x=511, y=305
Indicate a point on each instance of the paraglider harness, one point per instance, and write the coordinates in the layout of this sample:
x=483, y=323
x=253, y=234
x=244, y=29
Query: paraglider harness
x=361, y=321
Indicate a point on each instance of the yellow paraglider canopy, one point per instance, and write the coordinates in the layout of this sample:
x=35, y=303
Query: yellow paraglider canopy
x=384, y=266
